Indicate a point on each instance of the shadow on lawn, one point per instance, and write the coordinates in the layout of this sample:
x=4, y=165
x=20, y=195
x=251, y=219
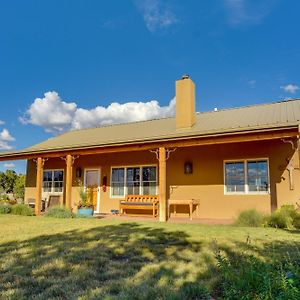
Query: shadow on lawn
x=118, y=261
x=125, y=261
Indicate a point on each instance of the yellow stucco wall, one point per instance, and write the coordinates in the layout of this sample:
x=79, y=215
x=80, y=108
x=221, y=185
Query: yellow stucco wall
x=206, y=182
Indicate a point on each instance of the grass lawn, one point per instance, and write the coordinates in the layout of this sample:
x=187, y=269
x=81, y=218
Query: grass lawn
x=46, y=258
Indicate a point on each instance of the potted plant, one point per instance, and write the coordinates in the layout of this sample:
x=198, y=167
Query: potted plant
x=85, y=205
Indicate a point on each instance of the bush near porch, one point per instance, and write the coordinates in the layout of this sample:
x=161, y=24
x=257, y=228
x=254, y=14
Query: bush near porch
x=46, y=258
x=285, y=217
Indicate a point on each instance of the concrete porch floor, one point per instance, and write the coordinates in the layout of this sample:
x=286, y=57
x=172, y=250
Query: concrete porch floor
x=171, y=220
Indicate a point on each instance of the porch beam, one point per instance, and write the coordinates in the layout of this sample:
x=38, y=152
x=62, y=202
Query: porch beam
x=69, y=178
x=167, y=143
x=39, y=181
x=162, y=185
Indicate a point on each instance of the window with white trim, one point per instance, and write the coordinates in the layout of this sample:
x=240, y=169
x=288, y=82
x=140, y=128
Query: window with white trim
x=246, y=176
x=53, y=181
x=133, y=180
x=117, y=181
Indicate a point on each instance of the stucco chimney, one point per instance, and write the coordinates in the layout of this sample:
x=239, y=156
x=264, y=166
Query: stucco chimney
x=185, y=103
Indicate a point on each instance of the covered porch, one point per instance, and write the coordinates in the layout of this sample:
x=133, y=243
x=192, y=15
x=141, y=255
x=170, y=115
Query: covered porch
x=205, y=158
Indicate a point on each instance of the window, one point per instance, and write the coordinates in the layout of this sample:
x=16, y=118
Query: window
x=133, y=181
x=257, y=174
x=235, y=177
x=248, y=176
x=117, y=182
x=53, y=181
x=149, y=181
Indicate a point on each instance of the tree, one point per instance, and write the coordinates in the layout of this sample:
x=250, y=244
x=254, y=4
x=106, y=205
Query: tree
x=19, y=188
x=10, y=179
x=2, y=182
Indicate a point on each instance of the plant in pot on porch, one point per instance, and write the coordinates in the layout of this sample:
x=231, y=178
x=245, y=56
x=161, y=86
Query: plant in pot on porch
x=85, y=205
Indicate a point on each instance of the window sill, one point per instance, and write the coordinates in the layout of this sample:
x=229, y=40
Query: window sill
x=117, y=197
x=246, y=194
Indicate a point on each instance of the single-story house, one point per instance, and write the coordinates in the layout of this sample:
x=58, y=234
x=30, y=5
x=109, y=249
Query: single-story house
x=229, y=160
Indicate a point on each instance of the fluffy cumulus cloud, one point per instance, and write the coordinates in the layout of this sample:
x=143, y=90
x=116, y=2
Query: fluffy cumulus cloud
x=50, y=112
x=290, y=88
x=157, y=14
x=5, y=139
x=56, y=115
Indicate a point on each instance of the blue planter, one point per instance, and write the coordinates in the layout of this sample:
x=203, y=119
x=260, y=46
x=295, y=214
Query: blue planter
x=87, y=211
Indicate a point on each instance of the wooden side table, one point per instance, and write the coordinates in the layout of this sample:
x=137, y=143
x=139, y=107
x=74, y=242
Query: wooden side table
x=189, y=202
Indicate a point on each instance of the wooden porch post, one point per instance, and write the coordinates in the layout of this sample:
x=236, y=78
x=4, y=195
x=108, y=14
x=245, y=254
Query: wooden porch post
x=39, y=180
x=69, y=162
x=162, y=185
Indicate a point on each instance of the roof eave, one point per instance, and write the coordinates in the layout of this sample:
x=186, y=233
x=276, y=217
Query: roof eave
x=25, y=154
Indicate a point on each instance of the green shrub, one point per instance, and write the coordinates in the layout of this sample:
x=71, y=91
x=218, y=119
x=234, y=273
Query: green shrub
x=249, y=218
x=5, y=208
x=285, y=217
x=21, y=209
x=251, y=278
x=59, y=212
x=296, y=221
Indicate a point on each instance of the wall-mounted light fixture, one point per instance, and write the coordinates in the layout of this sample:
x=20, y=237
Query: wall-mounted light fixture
x=188, y=167
x=78, y=172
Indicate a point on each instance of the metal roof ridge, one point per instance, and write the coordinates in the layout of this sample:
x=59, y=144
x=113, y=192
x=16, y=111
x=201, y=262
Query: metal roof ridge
x=248, y=106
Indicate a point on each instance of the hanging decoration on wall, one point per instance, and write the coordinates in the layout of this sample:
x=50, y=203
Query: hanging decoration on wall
x=290, y=168
x=188, y=167
x=78, y=172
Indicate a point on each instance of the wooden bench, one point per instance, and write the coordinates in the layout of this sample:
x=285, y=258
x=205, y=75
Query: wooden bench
x=140, y=202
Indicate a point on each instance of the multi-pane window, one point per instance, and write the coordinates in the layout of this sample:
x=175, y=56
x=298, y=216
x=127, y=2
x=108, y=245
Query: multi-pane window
x=133, y=181
x=248, y=176
x=235, y=176
x=257, y=175
x=149, y=181
x=53, y=181
x=117, y=181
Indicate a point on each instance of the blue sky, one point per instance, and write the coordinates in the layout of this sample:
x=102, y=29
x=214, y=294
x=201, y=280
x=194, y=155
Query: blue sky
x=63, y=63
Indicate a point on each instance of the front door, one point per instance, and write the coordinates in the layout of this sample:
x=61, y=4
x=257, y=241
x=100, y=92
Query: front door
x=92, y=186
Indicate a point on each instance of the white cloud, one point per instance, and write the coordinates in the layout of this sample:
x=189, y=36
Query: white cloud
x=50, y=112
x=290, y=88
x=9, y=165
x=56, y=115
x=2, y=122
x=156, y=14
x=5, y=138
x=5, y=146
x=247, y=12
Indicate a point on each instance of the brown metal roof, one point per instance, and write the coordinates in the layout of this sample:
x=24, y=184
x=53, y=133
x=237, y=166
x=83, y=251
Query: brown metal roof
x=257, y=117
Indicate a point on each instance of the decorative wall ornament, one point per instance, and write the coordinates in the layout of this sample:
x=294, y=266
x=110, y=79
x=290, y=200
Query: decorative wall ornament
x=73, y=158
x=188, y=167
x=290, y=167
x=35, y=160
x=168, y=152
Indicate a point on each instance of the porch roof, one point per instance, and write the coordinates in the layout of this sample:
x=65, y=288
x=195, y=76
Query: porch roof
x=277, y=115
